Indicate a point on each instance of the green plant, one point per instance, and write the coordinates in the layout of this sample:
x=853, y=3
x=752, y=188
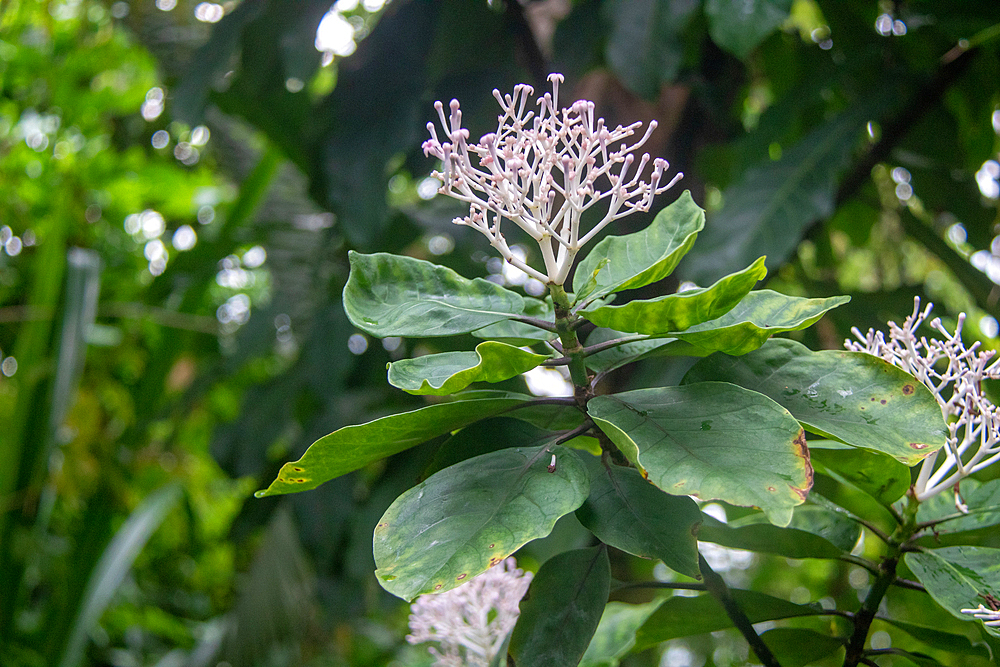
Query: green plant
x=630, y=464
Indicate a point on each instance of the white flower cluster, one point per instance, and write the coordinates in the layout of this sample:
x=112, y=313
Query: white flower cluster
x=542, y=172
x=988, y=616
x=954, y=374
x=471, y=622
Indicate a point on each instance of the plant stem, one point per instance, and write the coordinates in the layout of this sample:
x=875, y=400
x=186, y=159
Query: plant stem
x=717, y=587
x=571, y=348
x=886, y=577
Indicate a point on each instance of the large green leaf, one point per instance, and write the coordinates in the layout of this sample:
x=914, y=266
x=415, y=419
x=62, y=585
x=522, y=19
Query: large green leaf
x=959, y=578
x=352, y=447
x=740, y=27
x=644, y=46
x=468, y=517
x=628, y=513
x=880, y=476
x=615, y=634
x=392, y=295
x=618, y=356
x=711, y=440
x=798, y=647
x=760, y=315
x=939, y=639
x=684, y=616
x=815, y=532
x=562, y=609
x=485, y=436
x=448, y=372
x=982, y=502
x=644, y=257
x=853, y=397
x=676, y=312
x=520, y=333
x=768, y=210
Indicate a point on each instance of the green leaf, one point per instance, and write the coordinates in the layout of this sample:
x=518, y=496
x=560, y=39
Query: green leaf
x=686, y=616
x=760, y=315
x=981, y=498
x=353, y=447
x=676, y=312
x=797, y=647
x=627, y=512
x=448, y=372
x=519, y=333
x=712, y=440
x=470, y=516
x=562, y=609
x=814, y=533
x=853, y=397
x=646, y=256
x=740, y=27
x=945, y=641
x=880, y=476
x=959, y=578
x=768, y=210
x=485, y=436
x=615, y=634
x=392, y=295
x=645, y=46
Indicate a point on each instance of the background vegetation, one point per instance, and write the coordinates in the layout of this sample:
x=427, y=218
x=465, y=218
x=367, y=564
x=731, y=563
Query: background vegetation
x=180, y=184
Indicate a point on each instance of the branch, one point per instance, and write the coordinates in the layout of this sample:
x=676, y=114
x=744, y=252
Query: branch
x=863, y=619
x=716, y=586
x=608, y=344
x=536, y=322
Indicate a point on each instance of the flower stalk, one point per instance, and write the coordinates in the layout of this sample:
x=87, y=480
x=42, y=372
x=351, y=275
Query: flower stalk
x=542, y=171
x=954, y=374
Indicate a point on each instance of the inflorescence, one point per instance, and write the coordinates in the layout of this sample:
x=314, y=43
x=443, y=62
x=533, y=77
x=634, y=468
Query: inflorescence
x=470, y=623
x=542, y=172
x=954, y=374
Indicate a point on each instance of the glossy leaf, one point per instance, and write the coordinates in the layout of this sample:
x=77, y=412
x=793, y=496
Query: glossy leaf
x=519, y=333
x=646, y=256
x=814, y=533
x=615, y=634
x=768, y=210
x=485, y=436
x=466, y=518
x=982, y=500
x=880, y=476
x=712, y=440
x=352, y=447
x=562, y=609
x=797, y=647
x=686, y=616
x=392, y=295
x=618, y=356
x=740, y=28
x=760, y=315
x=627, y=512
x=939, y=639
x=959, y=578
x=677, y=312
x=445, y=373
x=849, y=396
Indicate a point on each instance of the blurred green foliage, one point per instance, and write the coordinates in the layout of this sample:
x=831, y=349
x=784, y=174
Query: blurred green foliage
x=847, y=140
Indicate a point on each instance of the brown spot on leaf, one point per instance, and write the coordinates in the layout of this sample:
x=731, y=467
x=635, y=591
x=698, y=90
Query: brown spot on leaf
x=294, y=469
x=918, y=445
x=680, y=484
x=771, y=489
x=492, y=545
x=382, y=525
x=907, y=389
x=802, y=450
x=461, y=576
x=883, y=401
x=438, y=587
